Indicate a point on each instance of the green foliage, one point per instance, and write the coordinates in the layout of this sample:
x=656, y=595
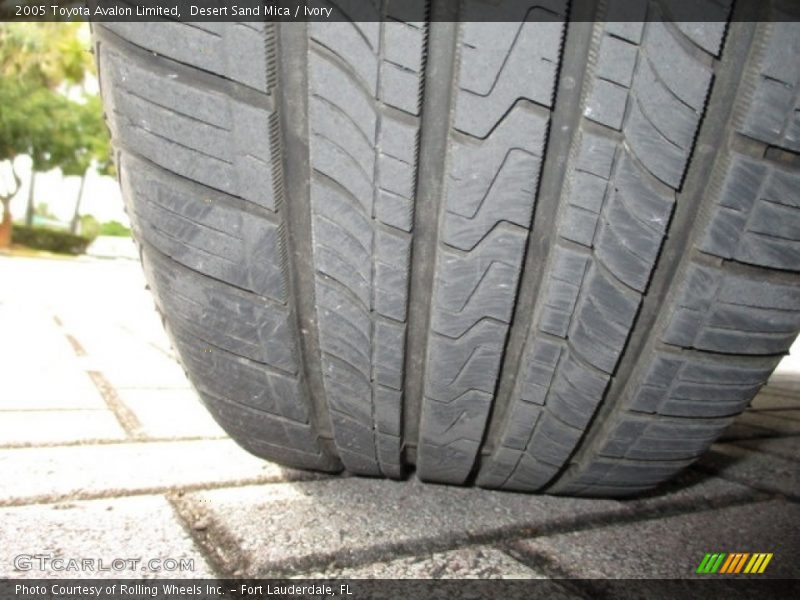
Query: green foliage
x=43, y=210
x=75, y=137
x=51, y=240
x=90, y=227
x=38, y=64
x=114, y=228
x=45, y=54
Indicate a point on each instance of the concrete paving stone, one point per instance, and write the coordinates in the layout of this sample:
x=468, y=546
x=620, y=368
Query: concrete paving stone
x=130, y=335
x=142, y=528
x=756, y=469
x=286, y=527
x=139, y=369
x=44, y=373
x=776, y=399
x=51, y=386
x=34, y=332
x=148, y=328
x=37, y=336
x=673, y=547
x=742, y=431
x=471, y=562
x=56, y=473
x=116, y=324
x=791, y=415
x=786, y=447
x=128, y=362
x=31, y=428
x=690, y=489
x=171, y=413
x=120, y=336
x=764, y=420
x=85, y=294
x=783, y=382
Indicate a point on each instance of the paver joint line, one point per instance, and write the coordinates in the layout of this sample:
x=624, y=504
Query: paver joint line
x=127, y=419
x=212, y=539
x=202, y=487
x=76, y=345
x=104, y=442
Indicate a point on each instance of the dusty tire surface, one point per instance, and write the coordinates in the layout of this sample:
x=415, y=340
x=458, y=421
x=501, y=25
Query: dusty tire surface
x=556, y=255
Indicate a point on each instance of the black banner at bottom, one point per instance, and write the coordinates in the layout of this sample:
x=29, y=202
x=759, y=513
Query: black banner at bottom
x=358, y=589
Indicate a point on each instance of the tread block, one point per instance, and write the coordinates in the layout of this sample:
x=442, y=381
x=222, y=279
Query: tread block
x=477, y=286
x=202, y=307
x=493, y=180
x=397, y=141
x=703, y=22
x=197, y=132
x=602, y=321
x=665, y=441
x=757, y=217
x=664, y=89
x=637, y=476
x=202, y=230
x=733, y=314
x=402, y=63
x=392, y=256
x=214, y=47
x=773, y=116
x=503, y=63
x=387, y=411
x=224, y=375
x=465, y=363
x=262, y=403
x=697, y=386
x=355, y=45
x=387, y=368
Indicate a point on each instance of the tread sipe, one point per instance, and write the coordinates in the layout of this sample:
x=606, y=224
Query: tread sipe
x=558, y=254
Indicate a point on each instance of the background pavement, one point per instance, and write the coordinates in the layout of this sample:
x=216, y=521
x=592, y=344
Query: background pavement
x=106, y=453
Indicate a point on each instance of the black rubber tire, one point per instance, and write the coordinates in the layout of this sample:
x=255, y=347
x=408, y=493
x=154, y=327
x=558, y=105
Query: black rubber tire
x=553, y=255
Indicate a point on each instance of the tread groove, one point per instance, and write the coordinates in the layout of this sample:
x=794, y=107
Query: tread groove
x=435, y=118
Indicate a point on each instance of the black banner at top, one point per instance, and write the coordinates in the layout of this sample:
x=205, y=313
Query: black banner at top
x=695, y=11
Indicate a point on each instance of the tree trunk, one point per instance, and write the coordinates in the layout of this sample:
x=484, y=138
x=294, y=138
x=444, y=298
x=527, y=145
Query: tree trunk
x=30, y=208
x=73, y=226
x=5, y=225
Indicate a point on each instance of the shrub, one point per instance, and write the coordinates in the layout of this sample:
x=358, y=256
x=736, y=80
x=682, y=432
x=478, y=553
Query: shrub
x=89, y=227
x=51, y=240
x=114, y=228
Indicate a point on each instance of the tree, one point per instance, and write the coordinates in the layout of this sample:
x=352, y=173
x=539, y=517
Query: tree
x=86, y=143
x=38, y=64
x=16, y=131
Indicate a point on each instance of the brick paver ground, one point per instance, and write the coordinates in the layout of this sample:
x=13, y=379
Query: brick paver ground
x=106, y=453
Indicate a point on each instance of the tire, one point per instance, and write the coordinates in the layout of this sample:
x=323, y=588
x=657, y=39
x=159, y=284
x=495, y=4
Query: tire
x=557, y=255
